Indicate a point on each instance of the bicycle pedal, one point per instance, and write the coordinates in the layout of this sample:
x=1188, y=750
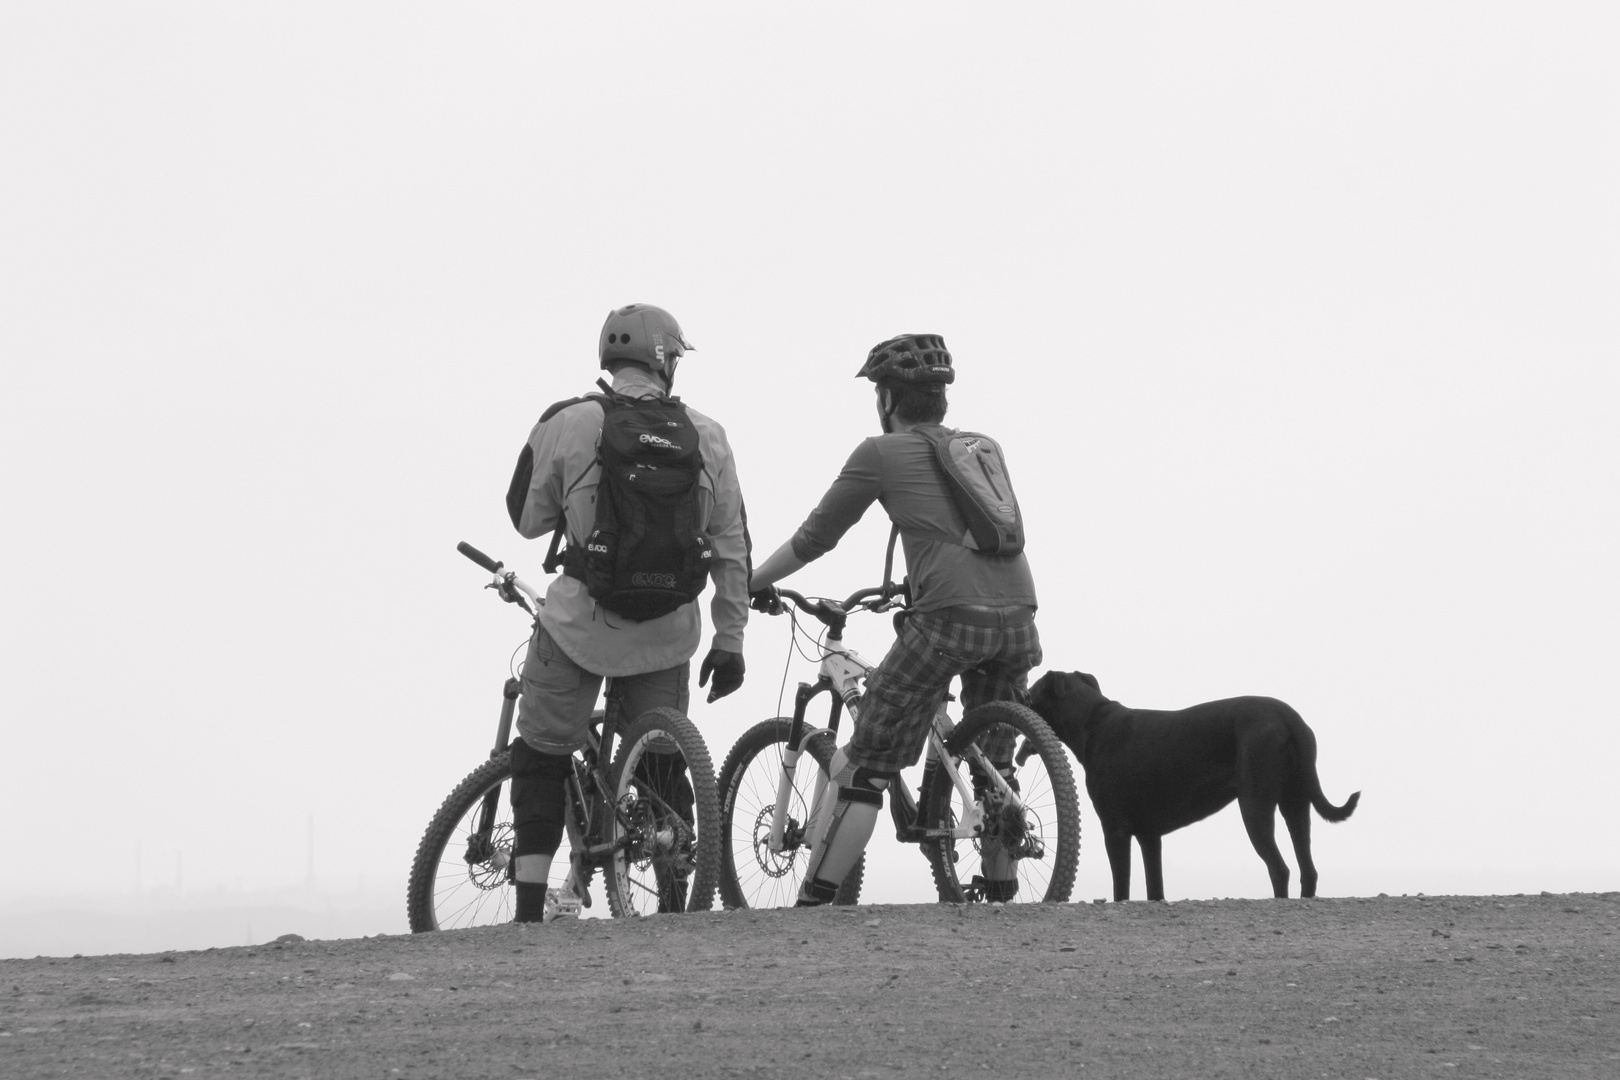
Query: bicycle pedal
x=576, y=882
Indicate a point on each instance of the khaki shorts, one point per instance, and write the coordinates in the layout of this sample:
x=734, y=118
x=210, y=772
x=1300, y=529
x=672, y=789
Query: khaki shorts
x=554, y=711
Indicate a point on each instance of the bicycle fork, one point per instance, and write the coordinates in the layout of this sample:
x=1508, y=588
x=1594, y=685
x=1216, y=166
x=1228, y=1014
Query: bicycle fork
x=480, y=844
x=778, y=840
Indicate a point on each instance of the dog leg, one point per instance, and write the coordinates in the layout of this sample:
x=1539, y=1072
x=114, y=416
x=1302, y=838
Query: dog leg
x=1119, y=861
x=1152, y=866
x=1260, y=819
x=1298, y=819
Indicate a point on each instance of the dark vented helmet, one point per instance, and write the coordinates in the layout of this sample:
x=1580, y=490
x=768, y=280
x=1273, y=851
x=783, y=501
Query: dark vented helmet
x=642, y=334
x=910, y=358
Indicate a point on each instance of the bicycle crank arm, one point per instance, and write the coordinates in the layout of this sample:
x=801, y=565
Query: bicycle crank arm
x=578, y=877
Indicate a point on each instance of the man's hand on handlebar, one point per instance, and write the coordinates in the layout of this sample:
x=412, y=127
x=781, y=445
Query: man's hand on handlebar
x=767, y=601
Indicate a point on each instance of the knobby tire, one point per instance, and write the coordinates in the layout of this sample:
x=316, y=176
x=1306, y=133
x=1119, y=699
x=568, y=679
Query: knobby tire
x=666, y=818
x=447, y=892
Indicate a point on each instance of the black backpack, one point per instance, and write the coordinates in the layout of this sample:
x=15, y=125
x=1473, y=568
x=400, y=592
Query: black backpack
x=647, y=553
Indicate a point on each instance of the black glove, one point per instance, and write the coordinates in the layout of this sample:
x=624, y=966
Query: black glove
x=727, y=669
x=766, y=601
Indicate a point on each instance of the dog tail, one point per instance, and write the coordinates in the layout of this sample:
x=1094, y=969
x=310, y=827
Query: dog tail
x=1307, y=744
x=1330, y=812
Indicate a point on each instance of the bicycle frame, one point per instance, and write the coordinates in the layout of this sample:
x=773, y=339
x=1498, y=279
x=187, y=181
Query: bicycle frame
x=841, y=673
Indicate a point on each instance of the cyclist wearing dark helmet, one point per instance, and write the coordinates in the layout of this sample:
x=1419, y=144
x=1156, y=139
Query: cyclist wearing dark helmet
x=578, y=642
x=972, y=614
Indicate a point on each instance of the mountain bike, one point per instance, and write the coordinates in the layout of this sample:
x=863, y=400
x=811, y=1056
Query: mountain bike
x=649, y=821
x=775, y=777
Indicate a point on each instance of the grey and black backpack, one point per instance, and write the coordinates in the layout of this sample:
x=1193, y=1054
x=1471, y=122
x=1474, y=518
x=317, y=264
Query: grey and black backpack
x=647, y=552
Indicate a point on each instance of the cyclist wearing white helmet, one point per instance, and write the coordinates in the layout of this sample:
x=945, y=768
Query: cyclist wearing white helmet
x=581, y=638
x=972, y=614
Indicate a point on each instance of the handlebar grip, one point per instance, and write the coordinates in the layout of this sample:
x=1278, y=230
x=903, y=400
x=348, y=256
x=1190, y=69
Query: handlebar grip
x=479, y=557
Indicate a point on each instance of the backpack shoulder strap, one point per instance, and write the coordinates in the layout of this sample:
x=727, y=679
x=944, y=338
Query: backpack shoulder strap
x=553, y=410
x=554, y=556
x=939, y=446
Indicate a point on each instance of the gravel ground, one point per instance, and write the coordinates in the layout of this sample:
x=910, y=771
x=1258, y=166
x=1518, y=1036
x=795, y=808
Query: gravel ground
x=1504, y=986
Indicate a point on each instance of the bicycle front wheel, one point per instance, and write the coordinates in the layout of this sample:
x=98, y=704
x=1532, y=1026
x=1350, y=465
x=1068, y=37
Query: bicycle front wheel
x=1029, y=847
x=664, y=824
x=461, y=875
x=751, y=874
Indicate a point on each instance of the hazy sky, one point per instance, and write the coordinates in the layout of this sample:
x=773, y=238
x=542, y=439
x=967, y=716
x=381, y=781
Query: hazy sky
x=1298, y=323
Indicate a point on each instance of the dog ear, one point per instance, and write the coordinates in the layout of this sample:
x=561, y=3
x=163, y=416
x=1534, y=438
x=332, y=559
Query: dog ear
x=1051, y=685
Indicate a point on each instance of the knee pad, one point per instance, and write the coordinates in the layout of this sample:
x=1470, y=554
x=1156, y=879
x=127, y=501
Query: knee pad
x=527, y=761
x=864, y=785
x=539, y=793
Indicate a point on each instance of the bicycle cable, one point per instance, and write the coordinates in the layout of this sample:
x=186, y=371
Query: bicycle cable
x=794, y=634
x=513, y=664
x=787, y=665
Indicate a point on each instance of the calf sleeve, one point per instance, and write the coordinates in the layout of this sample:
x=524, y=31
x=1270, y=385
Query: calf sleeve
x=531, y=902
x=842, y=828
x=539, y=796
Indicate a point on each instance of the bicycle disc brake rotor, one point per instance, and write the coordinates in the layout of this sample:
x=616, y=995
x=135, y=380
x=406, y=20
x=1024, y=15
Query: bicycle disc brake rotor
x=775, y=864
x=489, y=861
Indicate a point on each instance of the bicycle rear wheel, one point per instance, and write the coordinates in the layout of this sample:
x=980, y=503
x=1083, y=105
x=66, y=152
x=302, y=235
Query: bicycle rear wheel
x=461, y=874
x=665, y=819
x=1040, y=834
x=751, y=874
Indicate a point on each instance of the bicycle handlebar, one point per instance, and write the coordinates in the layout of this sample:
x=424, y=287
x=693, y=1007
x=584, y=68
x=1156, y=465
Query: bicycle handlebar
x=832, y=612
x=479, y=557
x=511, y=588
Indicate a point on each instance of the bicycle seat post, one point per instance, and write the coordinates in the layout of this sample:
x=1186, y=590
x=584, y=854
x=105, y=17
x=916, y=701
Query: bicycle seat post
x=612, y=720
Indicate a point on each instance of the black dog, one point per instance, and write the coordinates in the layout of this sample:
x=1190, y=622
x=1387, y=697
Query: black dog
x=1150, y=773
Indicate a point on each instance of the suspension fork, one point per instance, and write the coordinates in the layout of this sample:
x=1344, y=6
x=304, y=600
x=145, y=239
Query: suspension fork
x=790, y=759
x=479, y=841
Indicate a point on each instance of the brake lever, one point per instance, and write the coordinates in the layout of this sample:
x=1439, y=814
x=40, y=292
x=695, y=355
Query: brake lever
x=504, y=590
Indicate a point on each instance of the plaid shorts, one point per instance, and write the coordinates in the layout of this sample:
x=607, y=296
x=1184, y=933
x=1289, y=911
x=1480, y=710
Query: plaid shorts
x=905, y=691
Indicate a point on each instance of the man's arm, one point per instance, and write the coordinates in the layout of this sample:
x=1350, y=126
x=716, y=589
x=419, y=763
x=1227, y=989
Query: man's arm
x=554, y=456
x=856, y=488
x=781, y=563
x=728, y=532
